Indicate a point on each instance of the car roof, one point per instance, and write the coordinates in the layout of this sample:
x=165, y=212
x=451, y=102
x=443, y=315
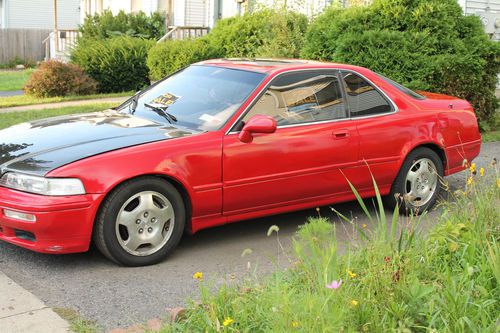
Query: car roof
x=263, y=65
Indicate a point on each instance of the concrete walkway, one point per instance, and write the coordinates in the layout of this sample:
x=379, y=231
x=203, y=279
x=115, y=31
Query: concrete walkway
x=9, y=93
x=22, y=312
x=117, y=100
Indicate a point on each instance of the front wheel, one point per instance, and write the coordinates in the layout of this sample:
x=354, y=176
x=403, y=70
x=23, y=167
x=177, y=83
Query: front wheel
x=418, y=183
x=140, y=222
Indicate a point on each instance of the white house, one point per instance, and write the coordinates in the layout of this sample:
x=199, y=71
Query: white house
x=39, y=14
x=199, y=13
x=488, y=11
x=90, y=7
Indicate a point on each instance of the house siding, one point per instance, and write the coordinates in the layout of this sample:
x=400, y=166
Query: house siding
x=38, y=14
x=488, y=10
x=2, y=14
x=473, y=6
x=196, y=12
x=309, y=8
x=191, y=13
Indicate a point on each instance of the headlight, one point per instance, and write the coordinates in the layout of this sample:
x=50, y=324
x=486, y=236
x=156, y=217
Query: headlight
x=41, y=185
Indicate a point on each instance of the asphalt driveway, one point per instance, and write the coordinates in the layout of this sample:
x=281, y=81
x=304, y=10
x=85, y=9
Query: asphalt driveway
x=116, y=296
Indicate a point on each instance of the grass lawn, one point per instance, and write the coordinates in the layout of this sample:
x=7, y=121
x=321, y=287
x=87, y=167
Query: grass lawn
x=492, y=130
x=28, y=100
x=14, y=80
x=12, y=118
x=491, y=136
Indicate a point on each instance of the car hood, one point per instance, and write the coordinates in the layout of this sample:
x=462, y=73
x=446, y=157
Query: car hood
x=41, y=146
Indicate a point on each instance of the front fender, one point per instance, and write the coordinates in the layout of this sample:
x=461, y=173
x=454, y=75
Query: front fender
x=195, y=162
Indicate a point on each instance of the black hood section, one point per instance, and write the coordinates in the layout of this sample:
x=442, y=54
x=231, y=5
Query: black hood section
x=41, y=146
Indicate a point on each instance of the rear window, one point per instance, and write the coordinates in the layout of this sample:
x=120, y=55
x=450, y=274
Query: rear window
x=402, y=88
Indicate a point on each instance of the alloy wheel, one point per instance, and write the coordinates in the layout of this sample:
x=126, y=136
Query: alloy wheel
x=421, y=182
x=145, y=223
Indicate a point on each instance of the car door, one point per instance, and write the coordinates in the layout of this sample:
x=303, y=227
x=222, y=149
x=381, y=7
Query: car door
x=303, y=160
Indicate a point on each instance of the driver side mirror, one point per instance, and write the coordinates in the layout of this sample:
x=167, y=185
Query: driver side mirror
x=257, y=124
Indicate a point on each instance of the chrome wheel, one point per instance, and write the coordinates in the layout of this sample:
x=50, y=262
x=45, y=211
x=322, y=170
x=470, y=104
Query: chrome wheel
x=145, y=223
x=421, y=182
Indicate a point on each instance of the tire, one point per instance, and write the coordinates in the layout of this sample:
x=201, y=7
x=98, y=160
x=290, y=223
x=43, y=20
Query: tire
x=140, y=222
x=417, y=187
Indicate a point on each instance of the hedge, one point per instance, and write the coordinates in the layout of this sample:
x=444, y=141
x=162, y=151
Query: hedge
x=117, y=64
x=266, y=33
x=107, y=25
x=167, y=57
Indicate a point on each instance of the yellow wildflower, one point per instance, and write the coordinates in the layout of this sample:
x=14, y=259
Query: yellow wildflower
x=354, y=302
x=472, y=167
x=470, y=181
x=363, y=226
x=351, y=274
x=481, y=172
x=453, y=247
x=228, y=321
x=198, y=276
x=295, y=324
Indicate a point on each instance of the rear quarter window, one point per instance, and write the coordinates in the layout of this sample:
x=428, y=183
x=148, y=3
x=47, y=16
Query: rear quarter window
x=363, y=98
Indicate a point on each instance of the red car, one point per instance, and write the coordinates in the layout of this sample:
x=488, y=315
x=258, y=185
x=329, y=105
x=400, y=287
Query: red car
x=223, y=141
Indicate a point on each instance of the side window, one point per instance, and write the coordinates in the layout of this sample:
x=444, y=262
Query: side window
x=362, y=97
x=299, y=98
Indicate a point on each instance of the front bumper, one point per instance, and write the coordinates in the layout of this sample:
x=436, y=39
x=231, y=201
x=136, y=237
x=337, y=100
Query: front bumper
x=63, y=224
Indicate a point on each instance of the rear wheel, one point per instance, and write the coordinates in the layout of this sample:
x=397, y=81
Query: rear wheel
x=418, y=183
x=140, y=222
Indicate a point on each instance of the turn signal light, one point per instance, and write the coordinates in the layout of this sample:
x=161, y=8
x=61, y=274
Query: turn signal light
x=19, y=215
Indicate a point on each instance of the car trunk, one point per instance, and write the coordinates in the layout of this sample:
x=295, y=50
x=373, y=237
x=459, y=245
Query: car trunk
x=443, y=102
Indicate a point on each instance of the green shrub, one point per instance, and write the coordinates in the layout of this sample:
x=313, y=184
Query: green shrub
x=54, y=78
x=265, y=33
x=424, y=44
x=27, y=63
x=167, y=57
x=107, y=25
x=117, y=64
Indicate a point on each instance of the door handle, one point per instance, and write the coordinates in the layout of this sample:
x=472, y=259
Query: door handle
x=341, y=134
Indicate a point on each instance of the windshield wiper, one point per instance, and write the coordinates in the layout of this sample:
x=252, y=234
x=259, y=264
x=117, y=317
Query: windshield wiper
x=162, y=112
x=133, y=103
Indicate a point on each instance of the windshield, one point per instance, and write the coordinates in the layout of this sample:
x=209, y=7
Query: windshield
x=402, y=88
x=198, y=97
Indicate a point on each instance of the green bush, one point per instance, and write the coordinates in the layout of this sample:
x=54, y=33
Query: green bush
x=424, y=44
x=167, y=57
x=107, y=25
x=54, y=78
x=117, y=64
x=265, y=33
